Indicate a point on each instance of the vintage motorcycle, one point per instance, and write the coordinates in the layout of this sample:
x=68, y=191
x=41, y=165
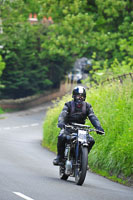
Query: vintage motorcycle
x=75, y=159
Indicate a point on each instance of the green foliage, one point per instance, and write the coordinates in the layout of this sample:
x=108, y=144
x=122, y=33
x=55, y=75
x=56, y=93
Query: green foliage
x=1, y=111
x=68, y=39
x=113, y=153
x=113, y=106
x=2, y=66
x=24, y=74
x=111, y=8
x=59, y=9
x=80, y=31
x=39, y=54
x=30, y=68
x=101, y=71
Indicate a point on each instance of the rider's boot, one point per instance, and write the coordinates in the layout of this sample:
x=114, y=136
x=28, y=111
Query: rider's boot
x=57, y=160
x=59, y=157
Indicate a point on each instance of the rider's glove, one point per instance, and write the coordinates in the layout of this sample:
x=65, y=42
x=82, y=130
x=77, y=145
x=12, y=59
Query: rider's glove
x=61, y=125
x=100, y=131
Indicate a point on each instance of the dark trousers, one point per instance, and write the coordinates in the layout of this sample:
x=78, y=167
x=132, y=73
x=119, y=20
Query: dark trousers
x=62, y=140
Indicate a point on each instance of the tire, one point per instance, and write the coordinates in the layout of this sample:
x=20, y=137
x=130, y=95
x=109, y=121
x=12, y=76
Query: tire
x=80, y=171
x=62, y=174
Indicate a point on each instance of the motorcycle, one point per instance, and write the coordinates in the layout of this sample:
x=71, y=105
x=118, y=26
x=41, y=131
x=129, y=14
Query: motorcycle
x=75, y=161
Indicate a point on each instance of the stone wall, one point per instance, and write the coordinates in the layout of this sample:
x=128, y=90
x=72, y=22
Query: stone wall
x=28, y=102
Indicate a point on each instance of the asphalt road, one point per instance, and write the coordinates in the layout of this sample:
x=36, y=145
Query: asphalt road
x=27, y=172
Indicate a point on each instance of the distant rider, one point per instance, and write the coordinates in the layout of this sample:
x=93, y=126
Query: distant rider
x=75, y=111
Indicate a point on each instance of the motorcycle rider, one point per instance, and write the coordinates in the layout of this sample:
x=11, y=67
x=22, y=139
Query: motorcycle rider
x=75, y=111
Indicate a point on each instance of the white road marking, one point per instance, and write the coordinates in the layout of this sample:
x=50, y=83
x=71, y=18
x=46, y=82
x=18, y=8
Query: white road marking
x=7, y=128
x=22, y=126
x=23, y=196
x=25, y=126
x=36, y=124
x=16, y=127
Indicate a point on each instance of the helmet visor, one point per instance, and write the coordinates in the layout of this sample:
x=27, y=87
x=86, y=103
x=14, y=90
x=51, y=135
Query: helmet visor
x=79, y=96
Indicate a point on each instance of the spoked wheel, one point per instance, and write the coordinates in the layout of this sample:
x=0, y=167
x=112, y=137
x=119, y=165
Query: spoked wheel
x=62, y=174
x=81, y=168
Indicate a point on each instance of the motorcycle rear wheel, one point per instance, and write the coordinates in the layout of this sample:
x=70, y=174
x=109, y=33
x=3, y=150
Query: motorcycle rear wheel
x=62, y=175
x=80, y=171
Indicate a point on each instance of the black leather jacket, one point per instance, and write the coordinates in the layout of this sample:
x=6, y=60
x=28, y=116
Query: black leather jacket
x=70, y=113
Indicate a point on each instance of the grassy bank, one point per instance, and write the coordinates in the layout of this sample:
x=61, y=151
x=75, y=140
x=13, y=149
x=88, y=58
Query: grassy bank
x=112, y=154
x=1, y=111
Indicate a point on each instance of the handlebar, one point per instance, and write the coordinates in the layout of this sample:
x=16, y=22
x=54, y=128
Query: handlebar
x=75, y=127
x=95, y=130
x=80, y=125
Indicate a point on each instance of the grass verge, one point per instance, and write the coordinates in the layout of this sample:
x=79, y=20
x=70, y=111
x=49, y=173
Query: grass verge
x=1, y=111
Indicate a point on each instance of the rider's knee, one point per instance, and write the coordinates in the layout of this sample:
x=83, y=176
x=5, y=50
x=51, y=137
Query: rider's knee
x=91, y=140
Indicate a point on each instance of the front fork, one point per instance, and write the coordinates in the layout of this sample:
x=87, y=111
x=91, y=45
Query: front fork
x=77, y=152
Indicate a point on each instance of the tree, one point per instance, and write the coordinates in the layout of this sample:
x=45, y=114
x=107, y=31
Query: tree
x=24, y=73
x=28, y=71
x=38, y=54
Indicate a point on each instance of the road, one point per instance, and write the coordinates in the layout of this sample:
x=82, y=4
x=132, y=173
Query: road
x=26, y=169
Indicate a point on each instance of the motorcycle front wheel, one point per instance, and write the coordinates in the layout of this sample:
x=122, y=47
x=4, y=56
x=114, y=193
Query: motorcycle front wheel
x=81, y=168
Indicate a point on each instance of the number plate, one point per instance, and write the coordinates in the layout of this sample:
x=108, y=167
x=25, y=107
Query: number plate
x=81, y=135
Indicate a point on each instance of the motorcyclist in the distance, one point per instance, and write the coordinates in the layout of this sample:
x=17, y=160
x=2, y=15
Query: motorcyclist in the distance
x=75, y=111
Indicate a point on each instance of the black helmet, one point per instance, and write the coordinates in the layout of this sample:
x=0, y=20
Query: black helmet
x=79, y=90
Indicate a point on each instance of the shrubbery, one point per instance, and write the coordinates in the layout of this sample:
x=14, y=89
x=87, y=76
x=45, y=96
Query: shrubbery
x=113, y=106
